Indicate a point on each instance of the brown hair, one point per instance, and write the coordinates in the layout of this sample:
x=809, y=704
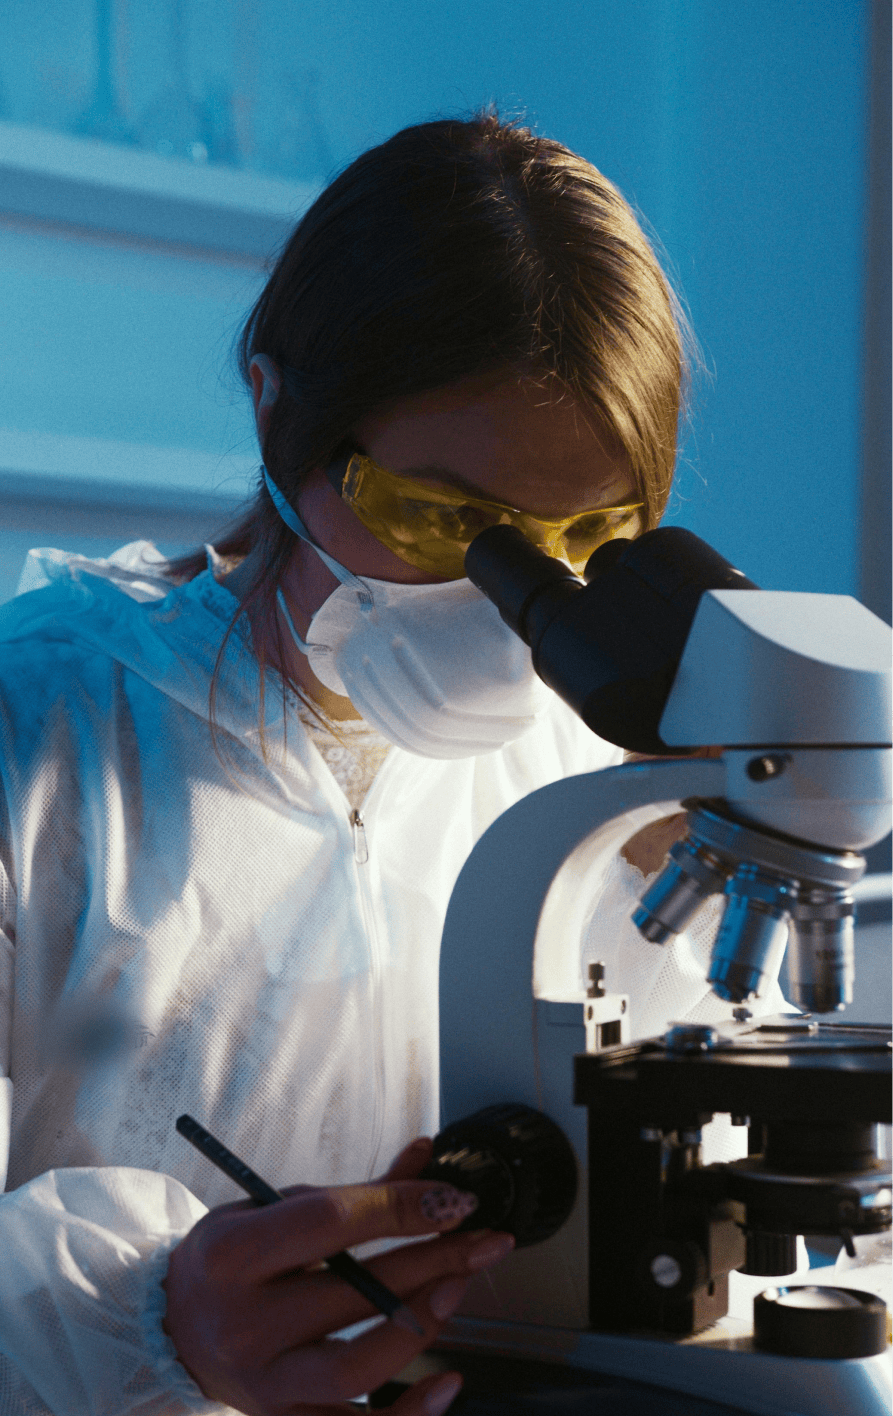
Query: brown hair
x=457, y=247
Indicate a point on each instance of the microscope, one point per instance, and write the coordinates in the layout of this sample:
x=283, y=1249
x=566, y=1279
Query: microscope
x=590, y=1146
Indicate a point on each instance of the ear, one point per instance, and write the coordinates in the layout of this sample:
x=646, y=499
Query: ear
x=266, y=382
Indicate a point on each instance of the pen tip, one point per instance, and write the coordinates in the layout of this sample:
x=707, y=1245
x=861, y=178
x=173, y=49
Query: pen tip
x=407, y=1320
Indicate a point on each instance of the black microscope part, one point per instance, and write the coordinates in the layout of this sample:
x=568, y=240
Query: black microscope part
x=812, y=1094
x=519, y=1164
x=611, y=647
x=807, y=1321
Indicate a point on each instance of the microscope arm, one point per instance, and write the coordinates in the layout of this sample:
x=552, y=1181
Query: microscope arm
x=488, y=1052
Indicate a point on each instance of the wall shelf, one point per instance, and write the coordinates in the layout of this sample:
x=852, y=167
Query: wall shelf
x=78, y=189
x=103, y=471
x=81, y=182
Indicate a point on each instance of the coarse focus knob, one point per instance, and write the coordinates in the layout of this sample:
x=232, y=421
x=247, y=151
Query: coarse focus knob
x=769, y=1254
x=811, y=1321
x=519, y=1164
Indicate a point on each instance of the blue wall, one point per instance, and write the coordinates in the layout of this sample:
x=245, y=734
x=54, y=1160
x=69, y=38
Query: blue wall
x=771, y=255
x=110, y=340
x=738, y=131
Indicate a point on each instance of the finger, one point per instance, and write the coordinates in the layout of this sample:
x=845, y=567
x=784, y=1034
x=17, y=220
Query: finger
x=412, y=1265
x=648, y=848
x=305, y=1307
x=411, y=1160
x=710, y=751
x=289, y=1191
x=405, y=1166
x=303, y=1229
x=429, y=1397
x=341, y=1371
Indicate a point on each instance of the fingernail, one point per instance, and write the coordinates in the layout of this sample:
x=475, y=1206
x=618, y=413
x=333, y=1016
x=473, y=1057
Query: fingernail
x=443, y=1204
x=443, y=1395
x=490, y=1251
x=445, y=1300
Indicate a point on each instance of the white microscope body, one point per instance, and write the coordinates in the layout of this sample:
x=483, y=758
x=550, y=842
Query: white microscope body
x=797, y=689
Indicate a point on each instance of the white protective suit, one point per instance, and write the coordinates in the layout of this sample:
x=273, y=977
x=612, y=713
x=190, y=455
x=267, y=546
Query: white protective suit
x=188, y=931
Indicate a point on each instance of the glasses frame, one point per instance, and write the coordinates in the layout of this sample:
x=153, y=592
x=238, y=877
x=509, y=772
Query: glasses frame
x=355, y=477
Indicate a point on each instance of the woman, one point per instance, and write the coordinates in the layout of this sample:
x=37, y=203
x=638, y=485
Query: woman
x=236, y=796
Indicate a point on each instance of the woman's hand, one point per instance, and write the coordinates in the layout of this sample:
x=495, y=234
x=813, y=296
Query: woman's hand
x=249, y=1309
x=647, y=849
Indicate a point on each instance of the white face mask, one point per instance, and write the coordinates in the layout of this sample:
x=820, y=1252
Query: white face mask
x=432, y=667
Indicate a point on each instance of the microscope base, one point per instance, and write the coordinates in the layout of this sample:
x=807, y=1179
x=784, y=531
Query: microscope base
x=717, y=1367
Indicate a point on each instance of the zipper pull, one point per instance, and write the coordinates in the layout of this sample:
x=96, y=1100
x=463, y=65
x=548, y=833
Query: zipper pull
x=360, y=845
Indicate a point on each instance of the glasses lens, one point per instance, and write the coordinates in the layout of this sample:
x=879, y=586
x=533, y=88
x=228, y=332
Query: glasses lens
x=435, y=536
x=429, y=530
x=589, y=532
x=438, y=522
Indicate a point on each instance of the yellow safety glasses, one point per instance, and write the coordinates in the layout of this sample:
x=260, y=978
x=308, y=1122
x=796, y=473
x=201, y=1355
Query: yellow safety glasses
x=432, y=527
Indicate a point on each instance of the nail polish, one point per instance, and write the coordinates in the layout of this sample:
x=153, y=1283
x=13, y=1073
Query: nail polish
x=443, y=1204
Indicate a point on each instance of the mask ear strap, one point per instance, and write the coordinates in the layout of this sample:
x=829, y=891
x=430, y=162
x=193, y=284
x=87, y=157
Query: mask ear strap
x=301, y=643
x=294, y=523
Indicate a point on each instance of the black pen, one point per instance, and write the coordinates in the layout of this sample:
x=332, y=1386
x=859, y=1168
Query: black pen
x=342, y=1264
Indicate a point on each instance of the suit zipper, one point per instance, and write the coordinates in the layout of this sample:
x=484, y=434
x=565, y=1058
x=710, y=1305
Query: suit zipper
x=361, y=858
x=360, y=844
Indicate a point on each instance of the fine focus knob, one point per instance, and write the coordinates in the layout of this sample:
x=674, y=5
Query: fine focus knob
x=810, y=1321
x=672, y=1268
x=519, y=1164
x=771, y=1255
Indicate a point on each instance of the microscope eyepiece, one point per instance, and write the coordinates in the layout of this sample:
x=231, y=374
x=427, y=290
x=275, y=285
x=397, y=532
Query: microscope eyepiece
x=521, y=580
x=608, y=644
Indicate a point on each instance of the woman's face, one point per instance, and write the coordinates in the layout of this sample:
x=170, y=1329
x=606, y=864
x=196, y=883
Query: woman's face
x=531, y=447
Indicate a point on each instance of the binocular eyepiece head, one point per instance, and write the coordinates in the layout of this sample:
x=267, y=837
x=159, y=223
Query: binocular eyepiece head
x=609, y=644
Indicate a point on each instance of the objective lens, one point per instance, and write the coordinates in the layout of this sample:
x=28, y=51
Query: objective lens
x=691, y=875
x=751, y=941
x=668, y=906
x=821, y=966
